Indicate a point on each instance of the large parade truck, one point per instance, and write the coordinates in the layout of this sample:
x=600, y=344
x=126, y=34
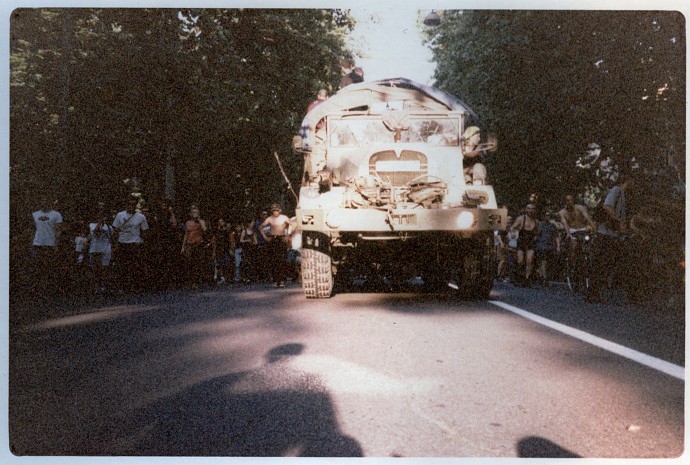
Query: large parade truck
x=384, y=188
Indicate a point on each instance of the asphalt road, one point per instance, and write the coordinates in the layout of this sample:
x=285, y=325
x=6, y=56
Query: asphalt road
x=257, y=371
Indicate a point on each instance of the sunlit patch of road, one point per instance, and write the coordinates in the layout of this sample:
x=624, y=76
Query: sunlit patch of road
x=344, y=377
x=103, y=314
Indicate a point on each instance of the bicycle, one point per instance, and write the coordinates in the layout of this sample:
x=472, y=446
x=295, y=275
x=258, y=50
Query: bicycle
x=578, y=267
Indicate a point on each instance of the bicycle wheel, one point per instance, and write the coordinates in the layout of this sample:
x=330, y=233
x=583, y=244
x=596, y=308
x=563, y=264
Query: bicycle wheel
x=570, y=276
x=586, y=269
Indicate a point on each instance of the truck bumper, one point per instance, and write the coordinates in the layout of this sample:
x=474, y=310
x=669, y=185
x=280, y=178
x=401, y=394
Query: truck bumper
x=402, y=220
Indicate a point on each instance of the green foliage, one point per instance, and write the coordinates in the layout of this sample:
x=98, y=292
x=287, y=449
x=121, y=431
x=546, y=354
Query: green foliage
x=551, y=82
x=99, y=95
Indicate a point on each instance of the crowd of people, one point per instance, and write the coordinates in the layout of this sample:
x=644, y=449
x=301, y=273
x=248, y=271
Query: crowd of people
x=532, y=248
x=137, y=248
x=634, y=247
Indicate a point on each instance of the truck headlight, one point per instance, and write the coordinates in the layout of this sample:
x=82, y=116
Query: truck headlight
x=334, y=219
x=465, y=220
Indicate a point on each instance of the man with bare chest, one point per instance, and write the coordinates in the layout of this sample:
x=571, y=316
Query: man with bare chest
x=575, y=218
x=277, y=240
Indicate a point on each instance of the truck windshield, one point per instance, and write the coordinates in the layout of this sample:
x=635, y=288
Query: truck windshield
x=442, y=132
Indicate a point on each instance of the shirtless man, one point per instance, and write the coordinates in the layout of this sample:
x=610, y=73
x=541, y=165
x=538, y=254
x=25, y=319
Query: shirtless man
x=575, y=218
x=277, y=240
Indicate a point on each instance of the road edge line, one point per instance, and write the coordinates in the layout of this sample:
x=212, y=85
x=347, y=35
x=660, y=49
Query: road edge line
x=658, y=364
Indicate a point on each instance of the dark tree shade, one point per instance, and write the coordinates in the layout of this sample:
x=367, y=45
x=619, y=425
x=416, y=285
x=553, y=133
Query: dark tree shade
x=100, y=95
x=551, y=82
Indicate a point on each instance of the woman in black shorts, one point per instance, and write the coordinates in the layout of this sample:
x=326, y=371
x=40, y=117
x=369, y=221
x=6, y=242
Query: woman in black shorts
x=528, y=228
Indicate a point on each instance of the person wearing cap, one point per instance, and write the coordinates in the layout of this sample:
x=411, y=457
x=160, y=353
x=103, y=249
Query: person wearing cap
x=474, y=170
x=278, y=238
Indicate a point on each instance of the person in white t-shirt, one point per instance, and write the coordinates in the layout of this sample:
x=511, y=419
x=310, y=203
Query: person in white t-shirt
x=130, y=226
x=45, y=245
x=47, y=222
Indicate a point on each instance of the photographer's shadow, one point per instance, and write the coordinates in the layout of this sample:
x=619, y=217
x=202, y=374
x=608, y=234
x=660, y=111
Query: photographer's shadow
x=273, y=411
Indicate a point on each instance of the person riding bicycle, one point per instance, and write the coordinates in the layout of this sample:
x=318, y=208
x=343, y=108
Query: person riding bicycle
x=575, y=219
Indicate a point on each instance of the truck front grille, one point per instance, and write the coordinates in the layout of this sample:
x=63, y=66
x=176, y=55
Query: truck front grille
x=398, y=171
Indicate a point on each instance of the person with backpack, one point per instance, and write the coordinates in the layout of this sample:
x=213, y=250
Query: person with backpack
x=612, y=228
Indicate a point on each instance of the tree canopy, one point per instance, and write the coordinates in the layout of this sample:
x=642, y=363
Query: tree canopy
x=194, y=102
x=191, y=102
x=550, y=83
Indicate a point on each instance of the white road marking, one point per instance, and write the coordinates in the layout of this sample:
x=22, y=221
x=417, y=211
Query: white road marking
x=652, y=362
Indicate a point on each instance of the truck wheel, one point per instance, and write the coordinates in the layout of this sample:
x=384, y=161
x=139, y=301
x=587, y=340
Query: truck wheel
x=317, y=277
x=478, y=270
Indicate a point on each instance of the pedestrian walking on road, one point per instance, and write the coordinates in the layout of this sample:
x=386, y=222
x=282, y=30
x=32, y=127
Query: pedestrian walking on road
x=249, y=244
x=194, y=248
x=130, y=227
x=100, y=242
x=221, y=244
x=612, y=233
x=528, y=228
x=278, y=242
x=44, y=252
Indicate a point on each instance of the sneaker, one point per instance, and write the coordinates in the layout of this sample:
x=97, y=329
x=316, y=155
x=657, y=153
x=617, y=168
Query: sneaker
x=281, y=284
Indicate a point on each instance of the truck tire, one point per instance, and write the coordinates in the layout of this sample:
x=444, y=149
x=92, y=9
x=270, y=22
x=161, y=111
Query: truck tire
x=317, y=276
x=477, y=270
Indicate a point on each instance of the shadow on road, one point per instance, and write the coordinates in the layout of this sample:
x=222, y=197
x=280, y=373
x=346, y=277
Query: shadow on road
x=538, y=447
x=272, y=411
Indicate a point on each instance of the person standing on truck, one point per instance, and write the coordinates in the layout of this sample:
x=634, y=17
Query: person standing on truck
x=473, y=156
x=277, y=242
x=350, y=73
x=320, y=98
